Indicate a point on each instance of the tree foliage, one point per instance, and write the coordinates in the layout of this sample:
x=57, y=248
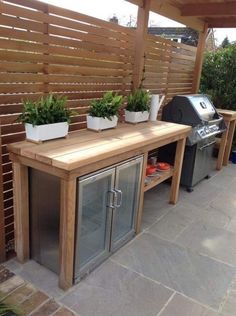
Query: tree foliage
x=219, y=77
x=225, y=43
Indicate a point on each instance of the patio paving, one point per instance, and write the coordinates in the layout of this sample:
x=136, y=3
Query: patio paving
x=182, y=264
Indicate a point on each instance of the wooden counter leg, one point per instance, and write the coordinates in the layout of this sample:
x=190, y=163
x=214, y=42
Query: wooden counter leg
x=174, y=192
x=223, y=142
x=21, y=211
x=67, y=232
x=229, y=143
x=141, y=196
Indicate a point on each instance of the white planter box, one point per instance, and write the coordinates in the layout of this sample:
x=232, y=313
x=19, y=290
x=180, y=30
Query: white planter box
x=136, y=117
x=100, y=123
x=45, y=132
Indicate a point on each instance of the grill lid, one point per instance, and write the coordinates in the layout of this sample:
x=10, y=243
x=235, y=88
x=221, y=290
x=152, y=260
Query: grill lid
x=197, y=111
x=203, y=106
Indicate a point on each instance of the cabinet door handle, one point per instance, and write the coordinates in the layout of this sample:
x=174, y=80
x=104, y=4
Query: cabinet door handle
x=110, y=200
x=118, y=202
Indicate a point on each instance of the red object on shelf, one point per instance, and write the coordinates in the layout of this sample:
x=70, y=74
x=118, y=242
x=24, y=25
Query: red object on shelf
x=150, y=169
x=163, y=166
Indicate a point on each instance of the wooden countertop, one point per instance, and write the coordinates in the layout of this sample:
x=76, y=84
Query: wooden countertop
x=85, y=147
x=228, y=114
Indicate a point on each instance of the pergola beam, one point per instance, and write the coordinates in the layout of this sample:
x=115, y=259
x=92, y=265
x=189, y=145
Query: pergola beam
x=208, y=9
x=172, y=12
x=221, y=22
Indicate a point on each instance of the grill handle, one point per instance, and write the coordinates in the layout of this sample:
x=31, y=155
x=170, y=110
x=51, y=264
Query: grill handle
x=207, y=145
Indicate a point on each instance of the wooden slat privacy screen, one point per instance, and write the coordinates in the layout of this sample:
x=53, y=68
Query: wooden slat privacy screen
x=45, y=49
x=169, y=67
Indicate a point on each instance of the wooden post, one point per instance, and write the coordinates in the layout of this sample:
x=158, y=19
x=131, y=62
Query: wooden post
x=179, y=154
x=199, y=59
x=2, y=228
x=141, y=195
x=223, y=141
x=67, y=233
x=229, y=142
x=21, y=211
x=139, y=54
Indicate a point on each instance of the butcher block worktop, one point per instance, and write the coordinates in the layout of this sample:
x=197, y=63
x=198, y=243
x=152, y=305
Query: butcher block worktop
x=86, y=147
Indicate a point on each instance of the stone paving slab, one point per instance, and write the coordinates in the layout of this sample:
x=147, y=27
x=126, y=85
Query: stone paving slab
x=229, y=305
x=190, y=273
x=44, y=279
x=49, y=308
x=170, y=225
x=20, y=294
x=64, y=312
x=117, y=291
x=182, y=306
x=10, y=285
x=212, y=241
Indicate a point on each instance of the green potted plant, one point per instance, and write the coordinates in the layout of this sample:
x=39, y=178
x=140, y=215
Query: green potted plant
x=46, y=118
x=9, y=309
x=138, y=106
x=103, y=113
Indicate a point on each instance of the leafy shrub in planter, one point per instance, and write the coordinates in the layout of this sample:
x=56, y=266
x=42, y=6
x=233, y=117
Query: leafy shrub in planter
x=107, y=107
x=139, y=101
x=47, y=110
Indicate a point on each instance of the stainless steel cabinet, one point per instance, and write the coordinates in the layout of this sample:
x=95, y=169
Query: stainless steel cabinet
x=107, y=207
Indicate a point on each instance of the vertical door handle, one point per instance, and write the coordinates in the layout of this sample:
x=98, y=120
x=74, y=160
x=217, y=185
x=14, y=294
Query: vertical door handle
x=118, y=199
x=110, y=200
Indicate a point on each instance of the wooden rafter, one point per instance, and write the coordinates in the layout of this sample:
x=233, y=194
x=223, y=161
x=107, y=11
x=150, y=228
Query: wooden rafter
x=208, y=9
x=222, y=22
x=195, y=15
x=172, y=12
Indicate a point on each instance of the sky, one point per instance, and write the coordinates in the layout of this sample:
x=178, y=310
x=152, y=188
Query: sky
x=125, y=12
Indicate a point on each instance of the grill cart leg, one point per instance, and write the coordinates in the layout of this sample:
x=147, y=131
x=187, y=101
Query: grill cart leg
x=189, y=189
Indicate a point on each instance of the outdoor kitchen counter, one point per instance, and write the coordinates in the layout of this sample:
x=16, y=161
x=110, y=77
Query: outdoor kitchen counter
x=81, y=153
x=227, y=137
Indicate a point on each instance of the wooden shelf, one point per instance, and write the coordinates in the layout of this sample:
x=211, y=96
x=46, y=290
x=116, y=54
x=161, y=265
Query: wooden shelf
x=162, y=176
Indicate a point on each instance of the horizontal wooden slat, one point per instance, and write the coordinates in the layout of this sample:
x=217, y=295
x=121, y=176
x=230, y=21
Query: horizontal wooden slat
x=37, y=77
x=43, y=58
x=62, y=41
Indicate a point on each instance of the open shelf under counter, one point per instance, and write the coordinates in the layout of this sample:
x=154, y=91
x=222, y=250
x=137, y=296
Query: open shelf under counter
x=157, y=179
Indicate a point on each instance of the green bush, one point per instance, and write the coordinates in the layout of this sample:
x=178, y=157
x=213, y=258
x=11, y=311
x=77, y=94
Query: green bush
x=219, y=78
x=47, y=110
x=106, y=107
x=139, y=101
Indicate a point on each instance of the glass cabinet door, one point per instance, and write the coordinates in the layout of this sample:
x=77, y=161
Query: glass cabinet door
x=127, y=186
x=94, y=220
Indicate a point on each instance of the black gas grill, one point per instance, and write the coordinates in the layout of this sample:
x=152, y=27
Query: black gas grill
x=199, y=112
